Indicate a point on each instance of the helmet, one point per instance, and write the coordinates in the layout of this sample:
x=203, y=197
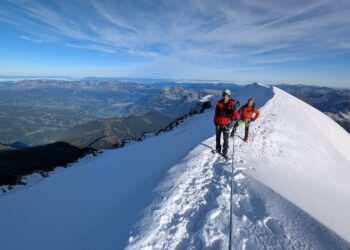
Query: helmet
x=226, y=92
x=251, y=99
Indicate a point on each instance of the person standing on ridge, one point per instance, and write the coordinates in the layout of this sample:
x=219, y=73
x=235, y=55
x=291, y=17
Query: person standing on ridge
x=225, y=113
x=246, y=112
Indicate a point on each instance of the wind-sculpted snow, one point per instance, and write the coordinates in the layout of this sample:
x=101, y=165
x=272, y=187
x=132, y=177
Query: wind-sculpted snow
x=304, y=155
x=94, y=203
x=171, y=192
x=193, y=209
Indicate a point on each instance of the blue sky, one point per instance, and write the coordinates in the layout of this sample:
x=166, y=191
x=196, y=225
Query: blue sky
x=269, y=41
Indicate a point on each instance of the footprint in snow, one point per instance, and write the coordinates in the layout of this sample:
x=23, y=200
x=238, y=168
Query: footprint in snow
x=273, y=225
x=239, y=176
x=249, y=244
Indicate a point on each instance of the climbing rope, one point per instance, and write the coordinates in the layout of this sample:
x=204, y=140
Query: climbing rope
x=231, y=196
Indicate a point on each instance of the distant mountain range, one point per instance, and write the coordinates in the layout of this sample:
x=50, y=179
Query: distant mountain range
x=37, y=112
x=111, y=132
x=49, y=123
x=332, y=101
x=91, y=115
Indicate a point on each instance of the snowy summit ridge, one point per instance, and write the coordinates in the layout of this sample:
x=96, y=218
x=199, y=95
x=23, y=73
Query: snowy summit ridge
x=291, y=189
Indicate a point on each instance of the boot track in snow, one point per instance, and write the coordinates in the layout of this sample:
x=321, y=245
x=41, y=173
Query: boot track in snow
x=194, y=209
x=195, y=213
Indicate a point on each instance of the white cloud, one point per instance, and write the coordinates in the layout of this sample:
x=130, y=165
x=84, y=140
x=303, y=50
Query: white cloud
x=194, y=33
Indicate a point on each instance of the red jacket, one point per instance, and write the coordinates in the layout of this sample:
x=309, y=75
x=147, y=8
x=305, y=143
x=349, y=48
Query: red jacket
x=225, y=112
x=247, y=112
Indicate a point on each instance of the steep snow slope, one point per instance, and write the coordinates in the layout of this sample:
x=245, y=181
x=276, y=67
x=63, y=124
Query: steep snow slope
x=185, y=189
x=94, y=204
x=305, y=156
x=294, y=149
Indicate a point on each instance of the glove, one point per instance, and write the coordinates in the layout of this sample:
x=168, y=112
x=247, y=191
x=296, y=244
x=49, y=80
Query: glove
x=252, y=120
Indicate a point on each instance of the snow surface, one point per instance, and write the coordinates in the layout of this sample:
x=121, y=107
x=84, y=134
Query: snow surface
x=291, y=189
x=206, y=98
x=283, y=154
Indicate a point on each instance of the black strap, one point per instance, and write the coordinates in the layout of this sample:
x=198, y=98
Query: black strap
x=226, y=111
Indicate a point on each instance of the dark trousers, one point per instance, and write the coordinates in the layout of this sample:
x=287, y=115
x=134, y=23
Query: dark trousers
x=225, y=130
x=246, y=131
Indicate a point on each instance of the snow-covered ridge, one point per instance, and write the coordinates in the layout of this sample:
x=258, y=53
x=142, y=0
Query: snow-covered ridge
x=304, y=155
x=170, y=191
x=282, y=155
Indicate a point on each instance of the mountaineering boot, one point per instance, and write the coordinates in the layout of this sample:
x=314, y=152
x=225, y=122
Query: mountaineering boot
x=232, y=134
x=246, y=134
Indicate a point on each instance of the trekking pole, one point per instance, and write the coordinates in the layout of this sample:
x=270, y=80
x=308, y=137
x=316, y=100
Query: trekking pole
x=231, y=195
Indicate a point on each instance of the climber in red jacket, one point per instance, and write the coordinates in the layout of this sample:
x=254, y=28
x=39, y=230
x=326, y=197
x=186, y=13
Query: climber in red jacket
x=246, y=112
x=225, y=113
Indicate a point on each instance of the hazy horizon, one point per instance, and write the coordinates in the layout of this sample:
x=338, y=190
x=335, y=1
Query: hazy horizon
x=67, y=78
x=293, y=42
